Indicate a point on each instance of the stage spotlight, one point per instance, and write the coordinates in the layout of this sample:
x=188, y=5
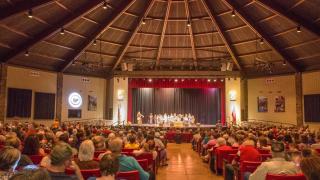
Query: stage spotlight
x=209, y=80
x=196, y=80
x=150, y=80
x=221, y=80
x=182, y=80
x=215, y=80
x=175, y=80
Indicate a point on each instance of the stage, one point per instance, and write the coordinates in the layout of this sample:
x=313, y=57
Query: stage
x=168, y=126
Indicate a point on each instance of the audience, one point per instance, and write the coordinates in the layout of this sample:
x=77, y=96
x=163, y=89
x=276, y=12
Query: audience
x=38, y=174
x=109, y=166
x=9, y=159
x=85, y=156
x=310, y=166
x=131, y=144
x=32, y=146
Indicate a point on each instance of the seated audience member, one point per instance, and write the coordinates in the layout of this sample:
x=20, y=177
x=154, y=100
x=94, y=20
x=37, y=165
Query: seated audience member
x=38, y=174
x=276, y=165
x=221, y=145
x=9, y=158
x=61, y=158
x=131, y=144
x=127, y=163
x=310, y=166
x=109, y=166
x=161, y=148
x=247, y=152
x=15, y=142
x=85, y=156
x=99, y=143
x=263, y=144
x=317, y=144
x=146, y=148
x=32, y=146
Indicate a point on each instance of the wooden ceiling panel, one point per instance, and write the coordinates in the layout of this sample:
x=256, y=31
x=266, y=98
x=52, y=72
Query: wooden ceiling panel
x=144, y=53
x=49, y=14
x=208, y=40
x=50, y=50
x=10, y=38
x=136, y=8
x=178, y=11
x=177, y=41
x=250, y=47
x=202, y=26
x=152, y=26
x=82, y=27
x=243, y=34
x=257, y=12
x=95, y=58
x=83, y=71
x=177, y=27
x=105, y=48
x=67, y=39
x=23, y=24
x=176, y=54
x=125, y=22
x=145, y=40
x=71, y=5
x=98, y=15
x=35, y=61
x=158, y=10
x=196, y=9
x=219, y=6
x=212, y=53
x=228, y=22
x=291, y=38
x=114, y=35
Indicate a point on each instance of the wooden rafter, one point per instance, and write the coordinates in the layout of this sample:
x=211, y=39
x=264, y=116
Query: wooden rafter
x=90, y=6
x=133, y=33
x=21, y=7
x=165, y=23
x=245, y=18
x=116, y=13
x=223, y=35
x=194, y=54
x=268, y=4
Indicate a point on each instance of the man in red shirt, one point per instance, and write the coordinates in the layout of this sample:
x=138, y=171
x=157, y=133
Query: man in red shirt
x=247, y=152
x=221, y=145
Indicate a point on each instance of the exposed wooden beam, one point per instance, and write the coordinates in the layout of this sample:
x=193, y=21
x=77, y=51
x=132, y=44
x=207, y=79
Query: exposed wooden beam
x=186, y=74
x=302, y=43
x=45, y=56
x=90, y=6
x=164, y=27
x=116, y=13
x=277, y=9
x=62, y=6
x=21, y=7
x=194, y=53
x=245, y=18
x=296, y=5
x=217, y=23
x=255, y=52
x=133, y=33
x=58, y=45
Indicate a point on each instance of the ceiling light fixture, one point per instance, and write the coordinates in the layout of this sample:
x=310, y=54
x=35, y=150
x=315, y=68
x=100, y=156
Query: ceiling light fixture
x=261, y=41
x=284, y=63
x=233, y=13
x=95, y=42
x=30, y=14
x=26, y=53
x=298, y=29
x=143, y=22
x=62, y=31
x=189, y=23
x=105, y=5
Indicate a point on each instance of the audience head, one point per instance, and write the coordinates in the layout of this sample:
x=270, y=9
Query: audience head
x=278, y=149
x=310, y=166
x=115, y=145
x=221, y=141
x=99, y=143
x=31, y=145
x=86, y=151
x=248, y=142
x=9, y=158
x=132, y=139
x=61, y=154
x=64, y=137
x=109, y=165
x=39, y=174
x=13, y=142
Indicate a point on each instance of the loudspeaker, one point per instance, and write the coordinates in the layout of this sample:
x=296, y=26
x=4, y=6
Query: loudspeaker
x=124, y=67
x=130, y=67
x=229, y=66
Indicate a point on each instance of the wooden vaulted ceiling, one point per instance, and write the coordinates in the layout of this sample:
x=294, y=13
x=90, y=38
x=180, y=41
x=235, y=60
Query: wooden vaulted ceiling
x=174, y=35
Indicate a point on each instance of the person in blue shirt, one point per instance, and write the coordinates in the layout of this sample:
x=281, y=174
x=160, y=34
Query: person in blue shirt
x=126, y=163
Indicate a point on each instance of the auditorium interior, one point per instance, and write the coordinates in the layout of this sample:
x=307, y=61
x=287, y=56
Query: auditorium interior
x=210, y=89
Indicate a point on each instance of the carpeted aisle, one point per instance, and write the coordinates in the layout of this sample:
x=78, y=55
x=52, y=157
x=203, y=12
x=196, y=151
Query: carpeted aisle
x=185, y=164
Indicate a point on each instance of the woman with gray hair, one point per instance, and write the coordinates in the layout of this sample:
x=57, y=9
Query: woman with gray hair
x=9, y=158
x=85, y=156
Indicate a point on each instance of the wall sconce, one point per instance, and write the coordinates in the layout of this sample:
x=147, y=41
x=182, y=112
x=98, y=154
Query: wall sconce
x=120, y=95
x=232, y=95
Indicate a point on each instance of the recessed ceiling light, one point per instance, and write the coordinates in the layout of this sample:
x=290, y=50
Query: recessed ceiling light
x=26, y=53
x=95, y=42
x=105, y=5
x=30, y=14
x=62, y=31
x=261, y=41
x=298, y=29
x=233, y=13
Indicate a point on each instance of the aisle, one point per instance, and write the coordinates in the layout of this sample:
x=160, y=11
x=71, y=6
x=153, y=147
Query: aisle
x=185, y=164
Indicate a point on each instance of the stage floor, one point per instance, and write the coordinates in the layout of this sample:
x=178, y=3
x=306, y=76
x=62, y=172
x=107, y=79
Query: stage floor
x=168, y=126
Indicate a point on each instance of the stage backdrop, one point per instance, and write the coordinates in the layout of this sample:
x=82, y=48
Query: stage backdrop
x=204, y=99
x=204, y=104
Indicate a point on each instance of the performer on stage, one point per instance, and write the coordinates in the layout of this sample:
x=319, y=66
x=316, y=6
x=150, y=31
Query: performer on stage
x=151, y=118
x=139, y=118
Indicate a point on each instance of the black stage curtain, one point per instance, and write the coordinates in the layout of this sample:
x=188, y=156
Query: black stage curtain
x=19, y=102
x=44, y=105
x=312, y=108
x=204, y=104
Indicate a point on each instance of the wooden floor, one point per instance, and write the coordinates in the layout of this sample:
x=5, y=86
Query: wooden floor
x=185, y=164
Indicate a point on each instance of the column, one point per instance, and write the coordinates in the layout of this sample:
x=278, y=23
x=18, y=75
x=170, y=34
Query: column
x=299, y=96
x=59, y=96
x=3, y=91
x=244, y=99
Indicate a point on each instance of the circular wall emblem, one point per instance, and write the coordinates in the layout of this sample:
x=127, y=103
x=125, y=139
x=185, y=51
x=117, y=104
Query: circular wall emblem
x=75, y=100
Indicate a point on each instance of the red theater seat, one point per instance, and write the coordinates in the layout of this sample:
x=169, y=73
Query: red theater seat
x=97, y=153
x=86, y=173
x=36, y=159
x=285, y=177
x=129, y=175
x=220, y=155
x=247, y=166
x=127, y=150
x=265, y=157
x=149, y=157
x=144, y=164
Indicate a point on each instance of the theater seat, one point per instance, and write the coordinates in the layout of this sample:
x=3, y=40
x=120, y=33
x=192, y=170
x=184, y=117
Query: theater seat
x=247, y=166
x=285, y=177
x=97, y=153
x=129, y=175
x=86, y=173
x=144, y=164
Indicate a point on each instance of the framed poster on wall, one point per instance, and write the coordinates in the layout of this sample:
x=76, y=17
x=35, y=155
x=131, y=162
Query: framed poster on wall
x=92, y=103
x=262, y=104
x=280, y=104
